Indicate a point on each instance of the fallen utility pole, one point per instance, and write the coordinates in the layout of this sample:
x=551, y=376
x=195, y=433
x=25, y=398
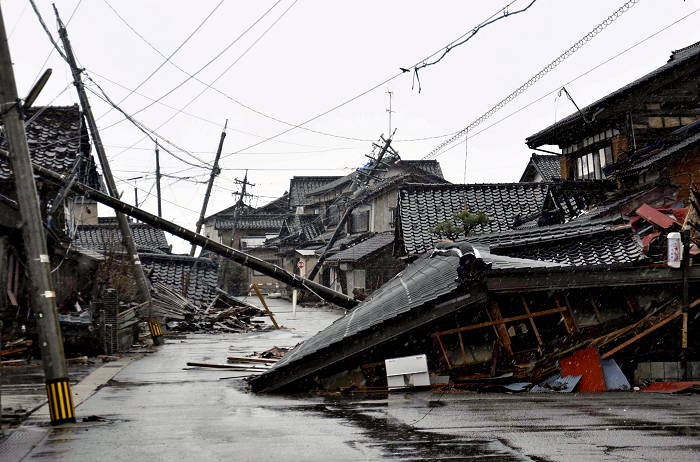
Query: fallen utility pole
x=127, y=236
x=37, y=259
x=244, y=259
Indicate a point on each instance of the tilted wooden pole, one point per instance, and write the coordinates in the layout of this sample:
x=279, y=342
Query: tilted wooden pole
x=34, y=240
x=244, y=259
x=214, y=173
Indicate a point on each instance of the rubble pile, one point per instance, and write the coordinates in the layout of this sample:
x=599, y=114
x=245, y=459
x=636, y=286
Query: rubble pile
x=225, y=314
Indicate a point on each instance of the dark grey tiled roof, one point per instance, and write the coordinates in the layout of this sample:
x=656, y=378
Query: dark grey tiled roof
x=548, y=166
x=146, y=237
x=568, y=230
x=270, y=222
x=300, y=186
x=364, y=248
x=423, y=206
x=606, y=248
x=678, y=57
x=596, y=242
x=429, y=278
x=56, y=138
x=171, y=270
x=301, y=228
x=429, y=166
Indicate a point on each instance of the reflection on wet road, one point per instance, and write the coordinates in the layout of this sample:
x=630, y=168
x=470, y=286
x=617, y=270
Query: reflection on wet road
x=157, y=409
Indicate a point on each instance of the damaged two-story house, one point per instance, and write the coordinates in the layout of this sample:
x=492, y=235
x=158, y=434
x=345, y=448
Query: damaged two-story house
x=361, y=259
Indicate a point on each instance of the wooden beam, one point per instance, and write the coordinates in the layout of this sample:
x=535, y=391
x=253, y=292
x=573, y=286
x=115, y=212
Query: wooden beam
x=629, y=300
x=532, y=321
x=501, y=321
x=262, y=300
x=461, y=343
x=595, y=308
x=638, y=336
x=444, y=351
x=566, y=315
x=500, y=327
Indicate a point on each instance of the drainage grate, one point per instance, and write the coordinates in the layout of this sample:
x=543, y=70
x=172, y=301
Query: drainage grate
x=16, y=446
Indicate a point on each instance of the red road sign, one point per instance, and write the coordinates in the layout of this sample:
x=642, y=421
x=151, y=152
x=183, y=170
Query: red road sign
x=300, y=264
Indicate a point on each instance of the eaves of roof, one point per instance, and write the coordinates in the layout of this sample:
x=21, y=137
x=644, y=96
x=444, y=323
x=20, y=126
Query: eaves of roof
x=681, y=57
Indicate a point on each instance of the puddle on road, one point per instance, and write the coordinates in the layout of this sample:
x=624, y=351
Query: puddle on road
x=402, y=442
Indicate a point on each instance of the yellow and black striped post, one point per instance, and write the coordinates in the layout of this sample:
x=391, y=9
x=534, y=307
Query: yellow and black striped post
x=156, y=331
x=60, y=401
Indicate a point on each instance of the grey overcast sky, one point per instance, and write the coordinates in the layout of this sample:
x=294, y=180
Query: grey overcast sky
x=294, y=60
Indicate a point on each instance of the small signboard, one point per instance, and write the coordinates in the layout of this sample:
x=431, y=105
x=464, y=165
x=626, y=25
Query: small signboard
x=300, y=264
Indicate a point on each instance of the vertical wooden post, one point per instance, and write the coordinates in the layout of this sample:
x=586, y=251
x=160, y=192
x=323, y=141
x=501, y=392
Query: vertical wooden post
x=532, y=320
x=500, y=327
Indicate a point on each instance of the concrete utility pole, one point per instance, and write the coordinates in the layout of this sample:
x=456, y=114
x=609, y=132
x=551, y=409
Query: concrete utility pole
x=214, y=173
x=41, y=289
x=127, y=236
x=160, y=211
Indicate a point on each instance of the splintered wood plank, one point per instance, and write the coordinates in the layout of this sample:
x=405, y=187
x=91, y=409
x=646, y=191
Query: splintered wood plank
x=500, y=327
x=567, y=315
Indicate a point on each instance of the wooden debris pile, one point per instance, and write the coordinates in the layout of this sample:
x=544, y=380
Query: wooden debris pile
x=224, y=314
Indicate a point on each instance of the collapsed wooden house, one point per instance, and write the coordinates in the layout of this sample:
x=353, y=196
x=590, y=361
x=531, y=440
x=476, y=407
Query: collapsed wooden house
x=478, y=313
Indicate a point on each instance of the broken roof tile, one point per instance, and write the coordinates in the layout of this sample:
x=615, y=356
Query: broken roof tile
x=654, y=216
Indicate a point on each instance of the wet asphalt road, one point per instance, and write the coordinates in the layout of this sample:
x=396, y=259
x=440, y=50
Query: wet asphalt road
x=155, y=411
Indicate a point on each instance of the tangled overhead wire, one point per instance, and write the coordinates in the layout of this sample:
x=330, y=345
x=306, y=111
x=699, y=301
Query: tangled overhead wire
x=463, y=39
x=570, y=51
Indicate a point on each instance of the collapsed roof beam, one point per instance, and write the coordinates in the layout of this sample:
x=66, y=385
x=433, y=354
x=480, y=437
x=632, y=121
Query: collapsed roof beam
x=246, y=260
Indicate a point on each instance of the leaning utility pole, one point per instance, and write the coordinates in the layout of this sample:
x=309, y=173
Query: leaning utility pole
x=214, y=173
x=127, y=236
x=37, y=258
x=352, y=203
x=160, y=211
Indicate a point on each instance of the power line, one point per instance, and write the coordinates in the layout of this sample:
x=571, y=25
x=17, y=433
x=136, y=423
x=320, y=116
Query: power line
x=227, y=69
x=209, y=63
x=578, y=77
x=145, y=129
x=92, y=72
x=466, y=37
x=216, y=89
x=561, y=58
x=167, y=59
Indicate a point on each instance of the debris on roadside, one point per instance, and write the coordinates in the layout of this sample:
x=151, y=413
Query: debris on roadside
x=226, y=314
x=274, y=352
